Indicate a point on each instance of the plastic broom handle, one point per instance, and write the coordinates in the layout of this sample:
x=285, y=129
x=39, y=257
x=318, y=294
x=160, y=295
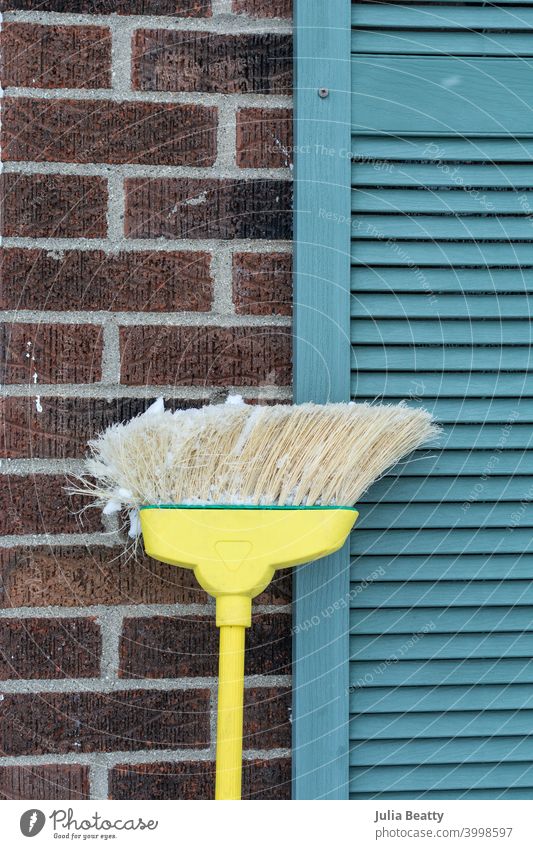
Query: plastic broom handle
x=230, y=712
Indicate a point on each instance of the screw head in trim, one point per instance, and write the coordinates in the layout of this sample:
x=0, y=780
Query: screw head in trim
x=323, y=92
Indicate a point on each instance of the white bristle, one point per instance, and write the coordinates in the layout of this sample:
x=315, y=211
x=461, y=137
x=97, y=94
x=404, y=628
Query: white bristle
x=239, y=454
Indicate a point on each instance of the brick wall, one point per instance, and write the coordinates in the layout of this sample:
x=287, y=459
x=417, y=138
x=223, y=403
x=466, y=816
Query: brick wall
x=146, y=224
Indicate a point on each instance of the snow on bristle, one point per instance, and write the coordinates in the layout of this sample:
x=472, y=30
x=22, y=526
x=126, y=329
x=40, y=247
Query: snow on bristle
x=238, y=454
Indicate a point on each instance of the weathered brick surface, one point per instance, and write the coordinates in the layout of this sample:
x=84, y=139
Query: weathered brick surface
x=55, y=56
x=172, y=646
x=50, y=353
x=36, y=205
x=264, y=138
x=164, y=60
x=180, y=8
x=76, y=576
x=153, y=281
x=267, y=718
x=104, y=131
x=208, y=209
x=263, y=8
x=262, y=283
x=49, y=648
x=38, y=504
x=123, y=721
x=51, y=781
x=262, y=779
x=203, y=356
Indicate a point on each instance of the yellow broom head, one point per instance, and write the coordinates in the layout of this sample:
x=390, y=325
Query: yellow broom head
x=237, y=454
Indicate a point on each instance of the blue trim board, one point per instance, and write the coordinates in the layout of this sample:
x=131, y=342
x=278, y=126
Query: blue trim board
x=321, y=373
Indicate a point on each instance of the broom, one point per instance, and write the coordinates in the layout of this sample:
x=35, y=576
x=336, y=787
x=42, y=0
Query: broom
x=235, y=492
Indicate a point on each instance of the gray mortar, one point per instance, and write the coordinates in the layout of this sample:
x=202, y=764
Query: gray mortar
x=222, y=21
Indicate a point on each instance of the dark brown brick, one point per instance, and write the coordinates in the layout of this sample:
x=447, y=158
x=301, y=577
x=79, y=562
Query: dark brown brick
x=102, y=131
x=36, y=205
x=174, y=646
x=124, y=721
x=203, y=356
x=55, y=56
x=262, y=779
x=49, y=648
x=51, y=781
x=164, y=60
x=50, y=353
x=180, y=8
x=263, y=8
x=38, y=504
x=267, y=718
x=76, y=576
x=208, y=209
x=262, y=283
x=154, y=281
x=264, y=138
x=61, y=427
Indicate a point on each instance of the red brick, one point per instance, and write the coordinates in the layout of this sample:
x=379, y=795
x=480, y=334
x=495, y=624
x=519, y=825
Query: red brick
x=208, y=209
x=61, y=427
x=49, y=648
x=180, y=8
x=262, y=779
x=262, y=283
x=55, y=56
x=50, y=353
x=267, y=722
x=204, y=356
x=38, y=504
x=263, y=8
x=182, y=646
x=264, y=138
x=53, y=205
x=124, y=721
x=51, y=781
x=166, y=60
x=154, y=281
x=104, y=131
x=75, y=576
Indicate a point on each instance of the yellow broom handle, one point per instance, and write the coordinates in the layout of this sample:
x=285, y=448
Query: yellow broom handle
x=230, y=712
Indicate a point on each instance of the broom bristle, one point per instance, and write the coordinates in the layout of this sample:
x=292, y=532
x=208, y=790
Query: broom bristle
x=308, y=454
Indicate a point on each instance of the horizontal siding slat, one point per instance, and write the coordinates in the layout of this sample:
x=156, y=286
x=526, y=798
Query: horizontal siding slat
x=375, y=149
x=441, y=95
x=452, y=619
x=471, y=750
x=443, y=567
x=431, y=43
x=433, y=795
x=445, y=227
x=450, y=777
x=440, y=174
x=447, y=201
x=419, y=253
x=441, y=332
x=441, y=595
x=400, y=16
x=503, y=700
x=434, y=490
x=445, y=646
x=439, y=385
x=449, y=515
x=443, y=541
x=432, y=281
x=412, y=673
x=439, y=358
x=461, y=410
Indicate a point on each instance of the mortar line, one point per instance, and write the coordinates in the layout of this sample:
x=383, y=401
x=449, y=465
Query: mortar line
x=115, y=207
x=111, y=622
x=110, y=352
x=108, y=540
x=101, y=685
x=121, y=54
x=128, y=611
x=112, y=392
x=224, y=22
x=185, y=97
x=226, y=161
x=223, y=169
x=136, y=757
x=222, y=274
x=110, y=321
x=99, y=778
x=162, y=244
x=213, y=704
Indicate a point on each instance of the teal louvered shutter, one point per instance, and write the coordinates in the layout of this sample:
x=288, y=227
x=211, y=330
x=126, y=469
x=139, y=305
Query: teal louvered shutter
x=439, y=260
